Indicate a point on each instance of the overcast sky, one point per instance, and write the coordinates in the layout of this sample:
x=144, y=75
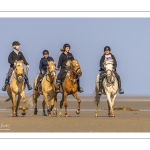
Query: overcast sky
x=129, y=40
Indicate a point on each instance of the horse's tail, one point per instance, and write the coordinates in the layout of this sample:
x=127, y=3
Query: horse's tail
x=97, y=97
x=31, y=101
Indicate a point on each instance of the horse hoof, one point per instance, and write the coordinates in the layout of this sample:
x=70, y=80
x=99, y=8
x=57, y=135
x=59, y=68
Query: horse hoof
x=44, y=114
x=77, y=112
x=96, y=115
x=35, y=113
x=66, y=115
x=60, y=115
x=55, y=114
x=111, y=115
x=14, y=115
x=24, y=113
x=49, y=115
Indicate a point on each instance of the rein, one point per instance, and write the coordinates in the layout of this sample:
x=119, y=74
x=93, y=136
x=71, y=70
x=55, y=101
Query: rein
x=112, y=82
x=47, y=74
x=75, y=74
x=17, y=75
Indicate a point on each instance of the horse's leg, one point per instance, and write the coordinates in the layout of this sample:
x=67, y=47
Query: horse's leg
x=55, y=105
x=43, y=105
x=61, y=104
x=23, y=103
x=18, y=102
x=79, y=101
x=35, y=96
x=65, y=103
x=112, y=101
x=109, y=103
x=47, y=104
x=97, y=99
x=14, y=104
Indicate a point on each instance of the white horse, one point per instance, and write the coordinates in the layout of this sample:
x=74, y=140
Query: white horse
x=110, y=85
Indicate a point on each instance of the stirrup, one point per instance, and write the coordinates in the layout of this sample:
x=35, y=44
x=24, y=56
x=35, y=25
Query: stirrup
x=29, y=87
x=80, y=90
x=4, y=87
x=121, y=91
x=100, y=93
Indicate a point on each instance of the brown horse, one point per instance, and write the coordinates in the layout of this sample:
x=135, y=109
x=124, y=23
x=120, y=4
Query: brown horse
x=46, y=89
x=70, y=86
x=17, y=87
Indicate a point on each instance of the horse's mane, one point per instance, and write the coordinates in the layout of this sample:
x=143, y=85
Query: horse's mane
x=19, y=63
x=108, y=62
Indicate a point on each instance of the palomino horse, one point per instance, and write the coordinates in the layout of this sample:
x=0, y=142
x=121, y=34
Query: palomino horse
x=17, y=87
x=46, y=89
x=69, y=85
x=110, y=85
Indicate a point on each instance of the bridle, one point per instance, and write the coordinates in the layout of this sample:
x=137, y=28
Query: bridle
x=50, y=75
x=75, y=72
x=17, y=76
x=112, y=75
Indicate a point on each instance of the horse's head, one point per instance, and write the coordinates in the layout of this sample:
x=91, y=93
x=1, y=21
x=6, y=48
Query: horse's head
x=108, y=66
x=52, y=68
x=76, y=67
x=19, y=70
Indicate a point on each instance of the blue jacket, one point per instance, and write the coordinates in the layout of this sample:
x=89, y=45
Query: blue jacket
x=43, y=63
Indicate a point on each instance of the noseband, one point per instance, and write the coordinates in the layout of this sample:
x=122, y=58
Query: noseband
x=75, y=71
x=18, y=75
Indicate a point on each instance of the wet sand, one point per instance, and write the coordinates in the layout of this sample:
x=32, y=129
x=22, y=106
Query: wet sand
x=124, y=121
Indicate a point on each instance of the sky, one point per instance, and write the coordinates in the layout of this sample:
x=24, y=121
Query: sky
x=129, y=39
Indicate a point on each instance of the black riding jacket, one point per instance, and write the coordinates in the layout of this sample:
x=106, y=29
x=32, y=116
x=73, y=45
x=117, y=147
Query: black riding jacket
x=44, y=63
x=103, y=59
x=13, y=56
x=63, y=59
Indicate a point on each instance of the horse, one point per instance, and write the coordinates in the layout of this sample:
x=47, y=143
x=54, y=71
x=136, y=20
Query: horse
x=17, y=87
x=46, y=89
x=69, y=86
x=110, y=85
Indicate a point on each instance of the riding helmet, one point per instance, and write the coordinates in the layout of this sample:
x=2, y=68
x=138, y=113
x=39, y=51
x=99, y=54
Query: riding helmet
x=107, y=48
x=66, y=45
x=45, y=52
x=15, y=43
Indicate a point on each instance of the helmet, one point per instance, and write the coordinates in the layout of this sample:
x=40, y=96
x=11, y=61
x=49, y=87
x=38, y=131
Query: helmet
x=45, y=51
x=66, y=45
x=15, y=43
x=107, y=48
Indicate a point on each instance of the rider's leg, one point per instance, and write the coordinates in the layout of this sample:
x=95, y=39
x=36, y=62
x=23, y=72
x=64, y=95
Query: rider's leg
x=119, y=83
x=80, y=89
x=38, y=81
x=27, y=82
x=59, y=79
x=102, y=76
x=9, y=74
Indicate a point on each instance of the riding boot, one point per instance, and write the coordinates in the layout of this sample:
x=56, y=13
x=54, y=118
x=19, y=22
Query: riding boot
x=8, y=78
x=119, y=84
x=27, y=82
x=6, y=83
x=58, y=82
x=80, y=89
x=38, y=83
x=101, y=84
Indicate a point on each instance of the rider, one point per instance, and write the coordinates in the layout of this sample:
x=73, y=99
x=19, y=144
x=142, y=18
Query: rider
x=64, y=57
x=43, y=66
x=16, y=55
x=108, y=56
